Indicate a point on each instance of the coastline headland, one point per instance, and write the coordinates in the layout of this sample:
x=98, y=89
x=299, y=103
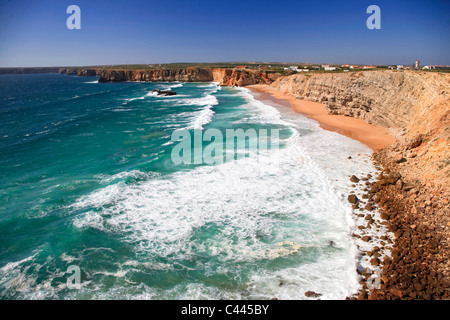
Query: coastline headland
x=224, y=76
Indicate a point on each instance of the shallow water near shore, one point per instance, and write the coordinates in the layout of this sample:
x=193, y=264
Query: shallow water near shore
x=87, y=180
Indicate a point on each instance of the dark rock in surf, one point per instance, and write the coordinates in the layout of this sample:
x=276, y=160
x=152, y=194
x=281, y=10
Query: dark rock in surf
x=312, y=294
x=164, y=92
x=352, y=198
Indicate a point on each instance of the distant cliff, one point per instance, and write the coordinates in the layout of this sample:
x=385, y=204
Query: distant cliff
x=63, y=70
x=225, y=77
x=29, y=70
x=81, y=72
x=157, y=75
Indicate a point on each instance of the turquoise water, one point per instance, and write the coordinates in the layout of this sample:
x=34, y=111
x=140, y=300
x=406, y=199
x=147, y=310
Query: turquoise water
x=87, y=179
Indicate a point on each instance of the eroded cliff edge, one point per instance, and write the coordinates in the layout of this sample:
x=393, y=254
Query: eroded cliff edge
x=225, y=77
x=412, y=193
x=415, y=106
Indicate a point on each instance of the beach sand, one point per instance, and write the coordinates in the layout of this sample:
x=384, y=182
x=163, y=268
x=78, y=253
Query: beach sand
x=372, y=136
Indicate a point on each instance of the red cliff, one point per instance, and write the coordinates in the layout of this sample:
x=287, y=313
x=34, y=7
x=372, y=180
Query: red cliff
x=239, y=78
x=225, y=77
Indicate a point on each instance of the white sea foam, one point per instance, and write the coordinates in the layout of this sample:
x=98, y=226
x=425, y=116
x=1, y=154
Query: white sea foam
x=135, y=174
x=202, y=118
x=210, y=85
x=250, y=199
x=287, y=204
x=11, y=266
x=152, y=94
x=14, y=278
x=202, y=101
x=264, y=112
x=130, y=100
x=281, y=208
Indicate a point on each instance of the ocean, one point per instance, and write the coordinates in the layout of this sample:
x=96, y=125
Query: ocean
x=87, y=181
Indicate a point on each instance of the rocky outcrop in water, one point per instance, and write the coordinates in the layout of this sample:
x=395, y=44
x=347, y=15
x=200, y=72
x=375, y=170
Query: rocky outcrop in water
x=164, y=92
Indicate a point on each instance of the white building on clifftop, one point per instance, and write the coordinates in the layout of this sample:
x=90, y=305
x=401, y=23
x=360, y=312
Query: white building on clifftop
x=327, y=67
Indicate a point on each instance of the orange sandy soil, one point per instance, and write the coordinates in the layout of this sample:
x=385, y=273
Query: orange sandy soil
x=372, y=136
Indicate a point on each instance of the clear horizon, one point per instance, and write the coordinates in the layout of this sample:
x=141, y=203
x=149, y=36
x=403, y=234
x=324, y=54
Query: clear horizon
x=34, y=34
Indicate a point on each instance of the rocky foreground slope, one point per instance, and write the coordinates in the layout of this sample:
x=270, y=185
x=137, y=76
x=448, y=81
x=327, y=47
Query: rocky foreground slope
x=412, y=193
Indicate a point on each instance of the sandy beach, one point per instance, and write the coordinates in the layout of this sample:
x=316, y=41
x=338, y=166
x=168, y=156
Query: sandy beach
x=372, y=136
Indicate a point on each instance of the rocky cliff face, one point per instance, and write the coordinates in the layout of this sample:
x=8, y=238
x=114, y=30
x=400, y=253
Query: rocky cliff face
x=87, y=72
x=240, y=78
x=81, y=72
x=225, y=77
x=29, y=70
x=69, y=71
x=386, y=98
x=414, y=105
x=158, y=75
x=412, y=193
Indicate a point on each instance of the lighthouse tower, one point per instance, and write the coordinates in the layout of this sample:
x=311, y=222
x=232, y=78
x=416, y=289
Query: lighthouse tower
x=416, y=66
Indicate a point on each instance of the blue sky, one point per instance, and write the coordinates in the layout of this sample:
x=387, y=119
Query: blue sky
x=34, y=33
